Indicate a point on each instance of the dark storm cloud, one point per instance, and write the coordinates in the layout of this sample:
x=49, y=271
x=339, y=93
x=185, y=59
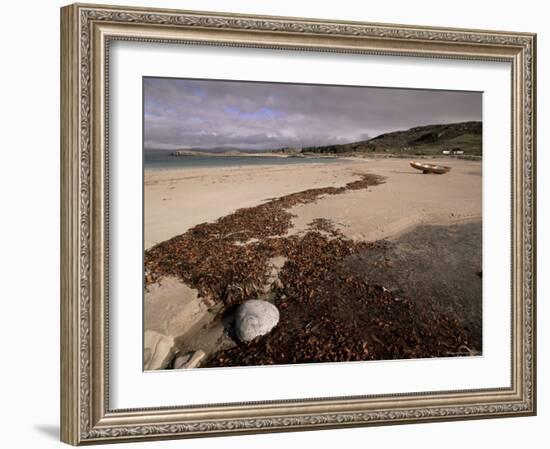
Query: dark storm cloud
x=181, y=113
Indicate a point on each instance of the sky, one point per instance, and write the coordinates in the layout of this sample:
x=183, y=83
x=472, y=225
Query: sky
x=203, y=114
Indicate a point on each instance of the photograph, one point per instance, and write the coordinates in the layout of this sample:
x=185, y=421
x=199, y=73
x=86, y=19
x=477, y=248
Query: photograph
x=289, y=223
x=282, y=221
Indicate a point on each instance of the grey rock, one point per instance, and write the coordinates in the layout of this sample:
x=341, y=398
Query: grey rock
x=189, y=360
x=196, y=359
x=181, y=360
x=255, y=318
x=158, y=350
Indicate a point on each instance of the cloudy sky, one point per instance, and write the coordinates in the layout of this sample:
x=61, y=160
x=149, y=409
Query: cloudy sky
x=184, y=113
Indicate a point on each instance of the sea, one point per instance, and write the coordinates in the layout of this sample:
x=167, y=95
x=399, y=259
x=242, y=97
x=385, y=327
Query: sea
x=162, y=160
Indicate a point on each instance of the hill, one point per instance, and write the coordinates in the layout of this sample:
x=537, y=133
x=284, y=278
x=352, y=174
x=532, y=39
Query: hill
x=430, y=139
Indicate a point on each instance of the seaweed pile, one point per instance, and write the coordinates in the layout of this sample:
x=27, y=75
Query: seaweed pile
x=328, y=313
x=212, y=258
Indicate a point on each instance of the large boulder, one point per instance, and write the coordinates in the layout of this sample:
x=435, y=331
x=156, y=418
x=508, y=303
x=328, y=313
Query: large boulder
x=255, y=318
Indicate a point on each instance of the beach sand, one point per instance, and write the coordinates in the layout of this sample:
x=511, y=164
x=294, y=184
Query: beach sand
x=392, y=263
x=176, y=200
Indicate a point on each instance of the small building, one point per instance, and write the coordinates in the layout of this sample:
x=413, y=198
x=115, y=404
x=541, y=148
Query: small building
x=458, y=151
x=446, y=151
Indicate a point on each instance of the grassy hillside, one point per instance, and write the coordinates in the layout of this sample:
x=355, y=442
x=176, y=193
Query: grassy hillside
x=430, y=139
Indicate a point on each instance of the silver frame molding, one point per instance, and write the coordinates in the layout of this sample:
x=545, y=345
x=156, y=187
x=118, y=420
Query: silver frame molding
x=86, y=32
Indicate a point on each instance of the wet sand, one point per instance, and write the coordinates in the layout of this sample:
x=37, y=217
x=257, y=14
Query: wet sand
x=439, y=266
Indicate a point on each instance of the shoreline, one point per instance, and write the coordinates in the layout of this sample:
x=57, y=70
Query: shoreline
x=248, y=166
x=210, y=193
x=303, y=159
x=177, y=199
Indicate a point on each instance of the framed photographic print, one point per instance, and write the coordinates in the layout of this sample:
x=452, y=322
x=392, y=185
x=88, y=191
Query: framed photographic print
x=280, y=224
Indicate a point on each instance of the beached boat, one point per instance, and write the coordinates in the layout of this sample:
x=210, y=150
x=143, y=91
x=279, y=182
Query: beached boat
x=430, y=168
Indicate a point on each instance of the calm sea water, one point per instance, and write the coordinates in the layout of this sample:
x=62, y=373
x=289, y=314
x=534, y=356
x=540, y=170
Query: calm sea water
x=160, y=161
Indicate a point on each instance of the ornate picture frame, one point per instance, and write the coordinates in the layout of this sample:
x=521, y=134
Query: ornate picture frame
x=87, y=32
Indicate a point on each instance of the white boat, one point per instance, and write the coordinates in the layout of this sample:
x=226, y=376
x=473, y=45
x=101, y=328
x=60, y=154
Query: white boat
x=430, y=168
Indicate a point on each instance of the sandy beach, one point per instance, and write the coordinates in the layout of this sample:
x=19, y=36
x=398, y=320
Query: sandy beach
x=365, y=259
x=176, y=200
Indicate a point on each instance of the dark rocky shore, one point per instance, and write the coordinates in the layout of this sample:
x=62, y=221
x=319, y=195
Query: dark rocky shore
x=339, y=300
